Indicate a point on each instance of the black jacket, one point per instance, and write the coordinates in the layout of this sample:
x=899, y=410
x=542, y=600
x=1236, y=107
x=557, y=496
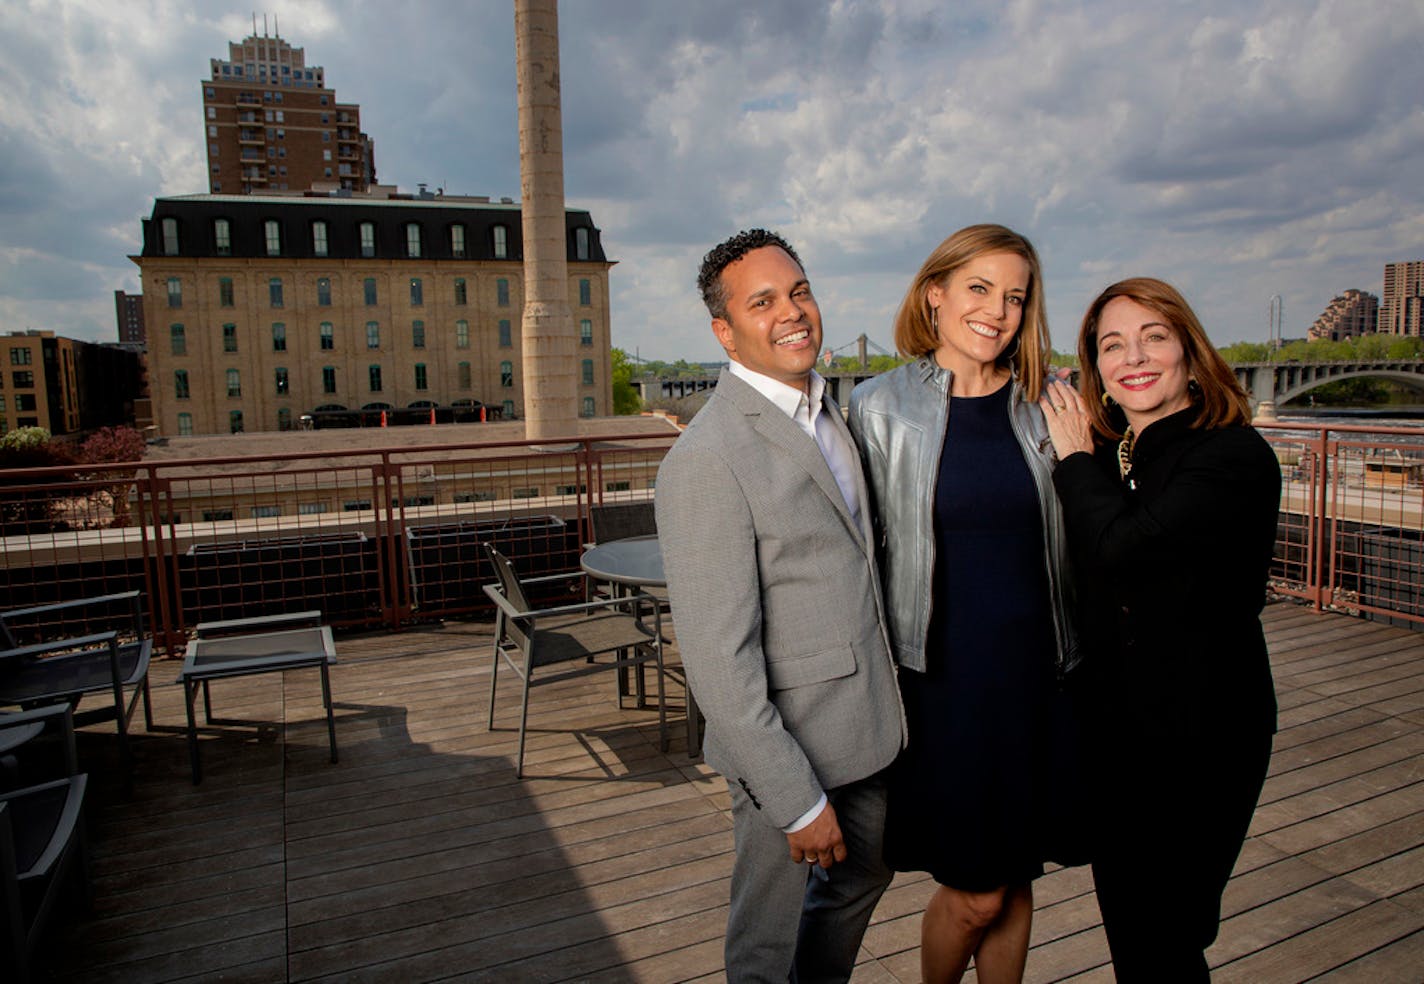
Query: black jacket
x=1172, y=577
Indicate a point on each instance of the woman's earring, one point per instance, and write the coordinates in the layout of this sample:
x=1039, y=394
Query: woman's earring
x=1107, y=401
x=1194, y=388
x=934, y=321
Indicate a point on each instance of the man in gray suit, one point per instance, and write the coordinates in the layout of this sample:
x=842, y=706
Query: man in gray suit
x=764, y=519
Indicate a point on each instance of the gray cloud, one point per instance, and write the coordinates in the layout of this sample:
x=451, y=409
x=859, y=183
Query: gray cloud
x=1238, y=149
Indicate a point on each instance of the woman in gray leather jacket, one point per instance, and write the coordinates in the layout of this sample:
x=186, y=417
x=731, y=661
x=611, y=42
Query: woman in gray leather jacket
x=977, y=596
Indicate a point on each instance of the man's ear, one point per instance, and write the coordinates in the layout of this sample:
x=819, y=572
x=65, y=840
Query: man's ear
x=722, y=328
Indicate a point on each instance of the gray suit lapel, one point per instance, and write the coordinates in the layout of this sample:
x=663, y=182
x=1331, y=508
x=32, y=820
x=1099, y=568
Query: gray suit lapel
x=781, y=431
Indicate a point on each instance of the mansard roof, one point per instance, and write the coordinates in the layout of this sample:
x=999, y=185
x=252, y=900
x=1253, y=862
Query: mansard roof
x=247, y=216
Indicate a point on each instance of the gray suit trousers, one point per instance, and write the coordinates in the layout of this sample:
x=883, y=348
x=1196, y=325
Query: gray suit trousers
x=788, y=922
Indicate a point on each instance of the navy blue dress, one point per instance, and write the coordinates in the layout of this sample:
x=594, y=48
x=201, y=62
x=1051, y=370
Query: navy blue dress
x=968, y=798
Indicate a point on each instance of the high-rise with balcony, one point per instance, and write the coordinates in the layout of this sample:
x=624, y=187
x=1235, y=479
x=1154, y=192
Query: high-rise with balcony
x=1353, y=313
x=271, y=124
x=1402, y=308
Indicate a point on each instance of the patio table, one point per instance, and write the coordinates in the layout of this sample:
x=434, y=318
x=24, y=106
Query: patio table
x=637, y=562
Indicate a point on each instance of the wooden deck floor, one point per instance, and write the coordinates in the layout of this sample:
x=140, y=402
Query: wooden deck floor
x=420, y=857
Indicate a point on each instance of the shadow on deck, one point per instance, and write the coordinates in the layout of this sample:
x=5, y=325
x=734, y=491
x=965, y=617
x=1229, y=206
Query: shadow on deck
x=420, y=857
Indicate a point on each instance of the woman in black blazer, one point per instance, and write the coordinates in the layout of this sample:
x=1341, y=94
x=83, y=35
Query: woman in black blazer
x=1171, y=499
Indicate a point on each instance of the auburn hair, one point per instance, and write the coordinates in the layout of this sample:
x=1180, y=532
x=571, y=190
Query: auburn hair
x=1217, y=394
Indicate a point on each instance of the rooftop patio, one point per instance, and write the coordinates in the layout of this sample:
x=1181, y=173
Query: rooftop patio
x=419, y=856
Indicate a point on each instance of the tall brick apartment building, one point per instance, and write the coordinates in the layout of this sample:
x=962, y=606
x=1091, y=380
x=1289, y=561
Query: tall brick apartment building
x=1402, y=307
x=270, y=124
x=262, y=310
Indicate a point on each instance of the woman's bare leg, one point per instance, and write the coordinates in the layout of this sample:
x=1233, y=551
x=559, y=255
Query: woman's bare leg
x=992, y=927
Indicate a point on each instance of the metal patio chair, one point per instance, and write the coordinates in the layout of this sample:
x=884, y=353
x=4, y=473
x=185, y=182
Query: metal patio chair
x=42, y=845
x=46, y=659
x=545, y=645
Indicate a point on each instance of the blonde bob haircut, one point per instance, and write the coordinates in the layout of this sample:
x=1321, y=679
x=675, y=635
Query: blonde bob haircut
x=1214, y=389
x=1027, y=355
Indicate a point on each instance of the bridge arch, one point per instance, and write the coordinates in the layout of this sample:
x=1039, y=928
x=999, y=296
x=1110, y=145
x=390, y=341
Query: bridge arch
x=1283, y=381
x=1413, y=379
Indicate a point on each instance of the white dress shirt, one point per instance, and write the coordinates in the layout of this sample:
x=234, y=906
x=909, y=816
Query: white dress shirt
x=807, y=411
x=809, y=414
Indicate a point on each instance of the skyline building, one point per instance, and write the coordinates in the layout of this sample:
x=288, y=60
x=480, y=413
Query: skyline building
x=266, y=309
x=1402, y=306
x=271, y=124
x=128, y=311
x=1348, y=315
x=66, y=385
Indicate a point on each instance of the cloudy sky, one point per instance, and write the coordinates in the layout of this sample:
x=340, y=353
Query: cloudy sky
x=1240, y=149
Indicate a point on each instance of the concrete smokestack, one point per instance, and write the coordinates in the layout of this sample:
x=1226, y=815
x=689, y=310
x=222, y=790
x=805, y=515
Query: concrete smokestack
x=550, y=383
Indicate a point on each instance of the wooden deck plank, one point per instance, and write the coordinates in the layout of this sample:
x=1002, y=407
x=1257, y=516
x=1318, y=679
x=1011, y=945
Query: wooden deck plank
x=419, y=856
x=1379, y=965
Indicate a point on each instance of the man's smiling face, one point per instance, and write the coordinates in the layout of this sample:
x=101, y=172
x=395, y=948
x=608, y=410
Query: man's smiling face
x=773, y=325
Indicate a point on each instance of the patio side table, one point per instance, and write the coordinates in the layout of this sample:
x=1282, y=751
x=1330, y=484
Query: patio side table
x=243, y=647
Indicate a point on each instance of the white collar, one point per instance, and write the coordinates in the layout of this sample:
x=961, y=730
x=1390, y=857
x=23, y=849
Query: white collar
x=788, y=399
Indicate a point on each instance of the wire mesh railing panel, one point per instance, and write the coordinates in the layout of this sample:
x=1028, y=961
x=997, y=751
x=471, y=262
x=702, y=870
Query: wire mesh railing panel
x=1293, y=563
x=255, y=542
x=1351, y=532
x=1376, y=496
x=65, y=535
x=526, y=506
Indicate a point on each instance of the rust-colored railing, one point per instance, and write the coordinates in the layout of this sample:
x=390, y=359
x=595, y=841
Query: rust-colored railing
x=1351, y=531
x=384, y=538
x=371, y=538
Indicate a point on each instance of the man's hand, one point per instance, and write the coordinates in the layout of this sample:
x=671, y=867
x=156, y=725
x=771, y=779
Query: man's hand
x=820, y=841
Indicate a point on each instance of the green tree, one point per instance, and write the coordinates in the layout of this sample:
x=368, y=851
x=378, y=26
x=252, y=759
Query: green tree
x=625, y=397
x=23, y=440
x=1245, y=352
x=23, y=511
x=1405, y=347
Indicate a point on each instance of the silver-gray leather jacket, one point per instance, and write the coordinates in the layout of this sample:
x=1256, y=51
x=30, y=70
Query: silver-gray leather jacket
x=899, y=420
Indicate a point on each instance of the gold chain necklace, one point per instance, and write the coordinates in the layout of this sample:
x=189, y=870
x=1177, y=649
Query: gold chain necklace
x=1124, y=453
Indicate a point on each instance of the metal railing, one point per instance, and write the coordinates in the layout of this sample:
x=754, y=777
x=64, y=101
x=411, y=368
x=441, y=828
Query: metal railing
x=385, y=538
x=372, y=538
x=1351, y=530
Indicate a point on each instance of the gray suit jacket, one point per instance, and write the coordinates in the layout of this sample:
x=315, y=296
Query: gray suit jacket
x=776, y=603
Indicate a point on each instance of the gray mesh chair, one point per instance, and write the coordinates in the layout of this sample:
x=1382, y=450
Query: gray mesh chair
x=42, y=845
x=63, y=652
x=545, y=645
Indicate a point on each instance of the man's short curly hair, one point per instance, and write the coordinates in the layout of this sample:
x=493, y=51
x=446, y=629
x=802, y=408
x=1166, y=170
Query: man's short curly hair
x=709, y=278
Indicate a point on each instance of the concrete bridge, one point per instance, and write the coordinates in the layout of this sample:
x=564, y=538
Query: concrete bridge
x=1267, y=382
x=1281, y=382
